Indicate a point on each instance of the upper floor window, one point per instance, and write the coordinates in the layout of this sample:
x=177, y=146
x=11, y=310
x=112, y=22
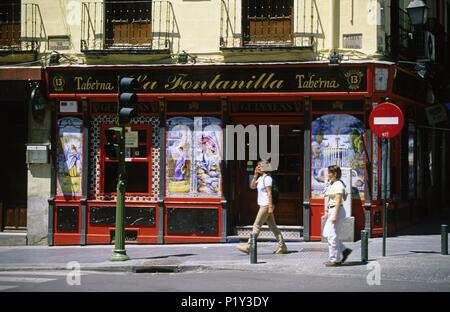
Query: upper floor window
x=10, y=23
x=267, y=21
x=128, y=22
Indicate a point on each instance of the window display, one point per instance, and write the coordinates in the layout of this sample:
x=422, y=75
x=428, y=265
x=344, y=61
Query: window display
x=193, y=156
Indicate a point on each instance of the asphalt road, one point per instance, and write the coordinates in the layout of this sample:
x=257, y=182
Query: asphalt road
x=208, y=281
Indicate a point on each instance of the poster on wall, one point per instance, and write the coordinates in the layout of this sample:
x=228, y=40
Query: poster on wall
x=337, y=140
x=193, y=155
x=69, y=175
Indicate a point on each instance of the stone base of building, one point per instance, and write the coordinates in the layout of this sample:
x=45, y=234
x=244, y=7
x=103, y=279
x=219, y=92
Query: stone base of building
x=13, y=239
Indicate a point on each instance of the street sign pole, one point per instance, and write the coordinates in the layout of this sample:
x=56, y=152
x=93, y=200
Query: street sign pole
x=386, y=121
x=385, y=164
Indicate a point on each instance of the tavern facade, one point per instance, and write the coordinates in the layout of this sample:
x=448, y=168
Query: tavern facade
x=285, y=64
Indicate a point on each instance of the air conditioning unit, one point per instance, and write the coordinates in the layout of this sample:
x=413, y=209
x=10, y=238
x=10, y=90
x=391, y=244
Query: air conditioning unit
x=428, y=51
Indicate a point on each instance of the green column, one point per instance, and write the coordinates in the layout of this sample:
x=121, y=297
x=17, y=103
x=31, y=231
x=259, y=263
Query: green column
x=119, y=252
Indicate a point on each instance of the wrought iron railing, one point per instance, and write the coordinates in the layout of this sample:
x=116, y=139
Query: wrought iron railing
x=127, y=25
x=21, y=27
x=286, y=23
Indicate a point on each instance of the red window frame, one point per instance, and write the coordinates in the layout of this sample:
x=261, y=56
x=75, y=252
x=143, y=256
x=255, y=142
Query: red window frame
x=147, y=159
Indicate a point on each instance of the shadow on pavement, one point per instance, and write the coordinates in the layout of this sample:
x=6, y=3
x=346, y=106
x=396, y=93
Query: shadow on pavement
x=167, y=256
x=429, y=226
x=425, y=251
x=353, y=263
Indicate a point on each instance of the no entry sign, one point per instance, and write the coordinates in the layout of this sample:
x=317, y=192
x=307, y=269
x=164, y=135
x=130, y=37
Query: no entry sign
x=386, y=120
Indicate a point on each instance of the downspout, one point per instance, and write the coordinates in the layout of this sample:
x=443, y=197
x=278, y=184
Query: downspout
x=334, y=24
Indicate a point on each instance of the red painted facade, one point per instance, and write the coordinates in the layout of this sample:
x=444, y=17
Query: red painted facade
x=407, y=211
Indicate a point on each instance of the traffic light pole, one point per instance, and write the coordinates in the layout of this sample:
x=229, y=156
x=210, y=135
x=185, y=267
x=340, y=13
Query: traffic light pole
x=119, y=253
x=126, y=100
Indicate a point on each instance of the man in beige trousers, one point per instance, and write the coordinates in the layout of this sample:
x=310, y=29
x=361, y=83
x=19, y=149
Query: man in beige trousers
x=262, y=182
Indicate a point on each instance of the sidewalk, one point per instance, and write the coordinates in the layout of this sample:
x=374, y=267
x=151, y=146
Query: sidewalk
x=413, y=255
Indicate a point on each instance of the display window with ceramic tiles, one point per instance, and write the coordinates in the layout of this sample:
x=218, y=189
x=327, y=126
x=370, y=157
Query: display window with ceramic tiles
x=137, y=161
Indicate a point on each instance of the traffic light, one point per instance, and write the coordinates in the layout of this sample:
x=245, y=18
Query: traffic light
x=112, y=146
x=127, y=99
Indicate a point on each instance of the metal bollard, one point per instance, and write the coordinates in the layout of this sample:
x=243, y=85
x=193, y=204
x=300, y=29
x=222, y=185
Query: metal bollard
x=364, y=246
x=253, y=248
x=444, y=239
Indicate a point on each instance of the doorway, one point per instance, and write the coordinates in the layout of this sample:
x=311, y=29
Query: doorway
x=13, y=177
x=289, y=177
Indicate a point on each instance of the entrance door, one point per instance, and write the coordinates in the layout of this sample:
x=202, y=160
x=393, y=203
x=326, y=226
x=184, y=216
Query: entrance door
x=13, y=174
x=289, y=177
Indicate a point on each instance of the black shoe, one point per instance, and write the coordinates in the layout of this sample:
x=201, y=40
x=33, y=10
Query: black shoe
x=332, y=264
x=345, y=254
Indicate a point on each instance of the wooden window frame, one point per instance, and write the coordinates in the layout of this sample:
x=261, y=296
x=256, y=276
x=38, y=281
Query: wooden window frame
x=265, y=28
x=129, y=30
x=10, y=24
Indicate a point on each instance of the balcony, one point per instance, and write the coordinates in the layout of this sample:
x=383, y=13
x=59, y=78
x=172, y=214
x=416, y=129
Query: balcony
x=127, y=27
x=21, y=28
x=269, y=24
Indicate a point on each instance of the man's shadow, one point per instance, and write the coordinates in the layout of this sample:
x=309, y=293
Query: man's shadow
x=355, y=263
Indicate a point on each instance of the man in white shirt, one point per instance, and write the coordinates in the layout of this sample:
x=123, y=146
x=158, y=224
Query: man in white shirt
x=262, y=182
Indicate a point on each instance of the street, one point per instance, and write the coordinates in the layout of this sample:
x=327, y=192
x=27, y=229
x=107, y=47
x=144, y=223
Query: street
x=207, y=281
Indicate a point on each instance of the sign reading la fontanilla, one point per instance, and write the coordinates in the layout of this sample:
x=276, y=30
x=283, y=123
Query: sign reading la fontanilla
x=218, y=79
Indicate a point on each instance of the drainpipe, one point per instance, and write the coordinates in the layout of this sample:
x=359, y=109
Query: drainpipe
x=334, y=24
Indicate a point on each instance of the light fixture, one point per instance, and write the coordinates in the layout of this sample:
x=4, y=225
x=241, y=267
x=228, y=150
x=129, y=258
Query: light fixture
x=54, y=58
x=183, y=57
x=335, y=59
x=417, y=11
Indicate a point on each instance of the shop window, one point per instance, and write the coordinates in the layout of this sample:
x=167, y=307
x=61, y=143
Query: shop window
x=193, y=156
x=137, y=162
x=128, y=22
x=337, y=140
x=69, y=156
x=267, y=21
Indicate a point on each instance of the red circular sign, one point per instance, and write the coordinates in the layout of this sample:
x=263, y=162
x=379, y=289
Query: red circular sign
x=386, y=120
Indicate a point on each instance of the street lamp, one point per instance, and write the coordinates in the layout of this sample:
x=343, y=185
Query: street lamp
x=417, y=11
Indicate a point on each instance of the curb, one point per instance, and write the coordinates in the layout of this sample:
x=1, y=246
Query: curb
x=116, y=268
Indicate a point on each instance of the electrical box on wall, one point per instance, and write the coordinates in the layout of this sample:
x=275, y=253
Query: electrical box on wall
x=37, y=153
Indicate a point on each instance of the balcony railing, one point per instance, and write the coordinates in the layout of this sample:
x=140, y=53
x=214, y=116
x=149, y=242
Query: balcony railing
x=127, y=25
x=21, y=27
x=283, y=23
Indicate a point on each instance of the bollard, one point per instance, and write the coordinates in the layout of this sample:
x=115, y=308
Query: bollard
x=364, y=246
x=253, y=248
x=444, y=239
